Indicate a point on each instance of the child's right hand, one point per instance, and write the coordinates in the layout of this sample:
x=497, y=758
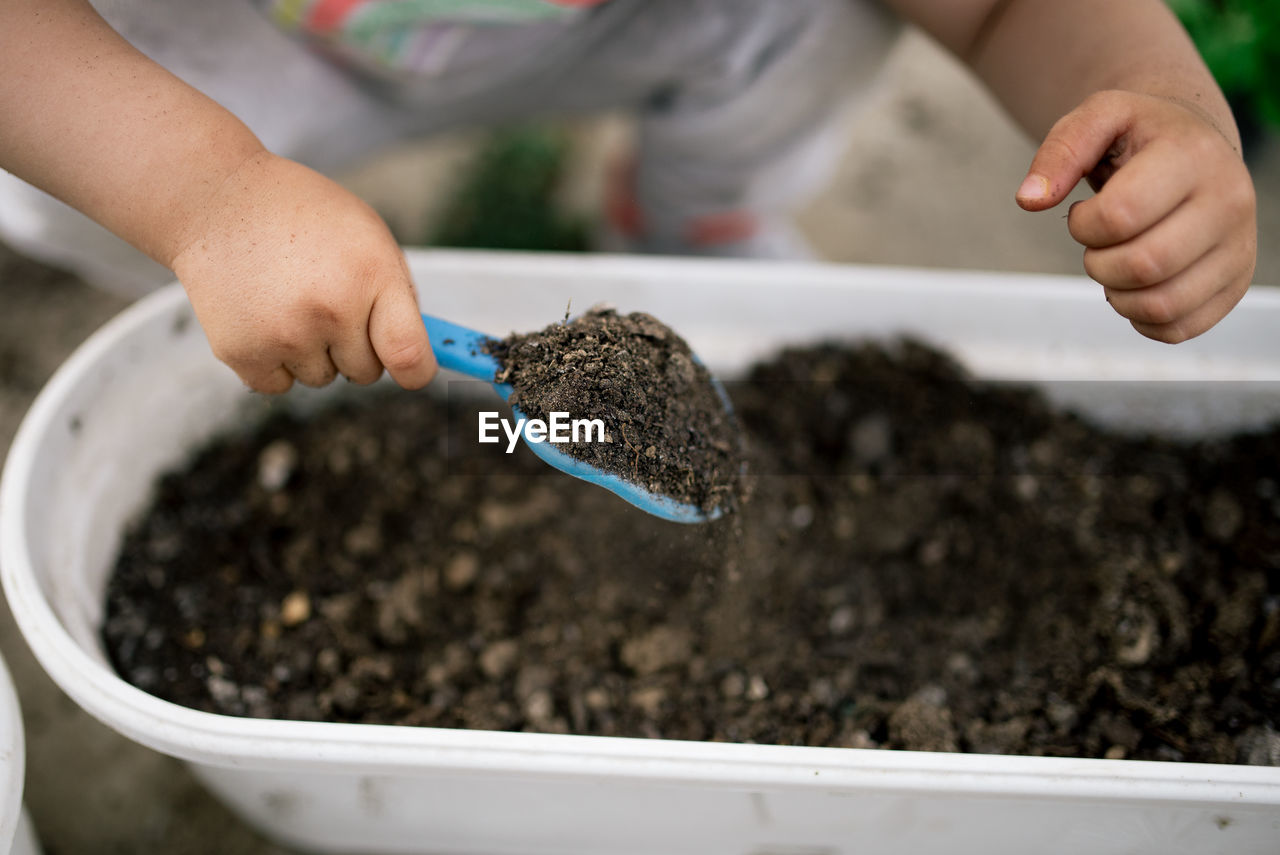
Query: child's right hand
x=294, y=278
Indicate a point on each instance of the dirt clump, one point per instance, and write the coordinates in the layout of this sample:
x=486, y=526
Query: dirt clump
x=666, y=427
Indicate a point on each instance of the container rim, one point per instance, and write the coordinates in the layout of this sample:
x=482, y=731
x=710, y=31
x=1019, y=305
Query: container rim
x=227, y=741
x=12, y=760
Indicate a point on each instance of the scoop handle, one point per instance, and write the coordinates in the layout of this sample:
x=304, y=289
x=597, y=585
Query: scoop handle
x=460, y=348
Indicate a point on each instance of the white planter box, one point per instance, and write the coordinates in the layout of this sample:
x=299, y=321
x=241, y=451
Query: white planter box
x=135, y=398
x=17, y=837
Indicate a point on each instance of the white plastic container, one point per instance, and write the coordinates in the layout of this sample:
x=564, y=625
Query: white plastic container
x=17, y=837
x=25, y=841
x=135, y=398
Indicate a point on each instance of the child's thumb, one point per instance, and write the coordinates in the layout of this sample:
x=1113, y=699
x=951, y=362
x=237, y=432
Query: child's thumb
x=1071, y=151
x=399, y=338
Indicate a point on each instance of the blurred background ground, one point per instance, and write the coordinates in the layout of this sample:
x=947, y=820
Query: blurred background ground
x=928, y=181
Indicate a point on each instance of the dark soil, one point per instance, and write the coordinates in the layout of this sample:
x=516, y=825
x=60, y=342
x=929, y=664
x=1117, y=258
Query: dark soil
x=666, y=427
x=926, y=563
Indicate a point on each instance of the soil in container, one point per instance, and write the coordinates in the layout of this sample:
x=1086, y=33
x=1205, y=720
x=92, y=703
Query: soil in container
x=926, y=562
x=665, y=425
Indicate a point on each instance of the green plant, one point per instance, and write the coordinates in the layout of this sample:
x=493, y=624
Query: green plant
x=507, y=198
x=1240, y=42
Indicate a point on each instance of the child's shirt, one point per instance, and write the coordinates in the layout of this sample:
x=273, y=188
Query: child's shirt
x=419, y=36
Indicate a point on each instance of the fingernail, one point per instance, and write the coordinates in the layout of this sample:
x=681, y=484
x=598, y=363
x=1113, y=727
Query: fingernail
x=1034, y=187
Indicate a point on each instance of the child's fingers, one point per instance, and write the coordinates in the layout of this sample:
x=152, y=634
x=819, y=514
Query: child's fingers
x=1072, y=149
x=1181, y=297
x=267, y=379
x=354, y=357
x=1198, y=321
x=316, y=370
x=1140, y=194
x=1168, y=301
x=1159, y=253
x=399, y=339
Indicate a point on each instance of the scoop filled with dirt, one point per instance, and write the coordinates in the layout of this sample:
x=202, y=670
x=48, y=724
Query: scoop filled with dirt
x=656, y=428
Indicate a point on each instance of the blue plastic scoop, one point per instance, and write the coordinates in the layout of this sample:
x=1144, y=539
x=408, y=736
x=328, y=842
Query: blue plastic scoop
x=460, y=349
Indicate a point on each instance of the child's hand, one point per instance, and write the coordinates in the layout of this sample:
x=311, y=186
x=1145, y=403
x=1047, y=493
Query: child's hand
x=293, y=277
x=1172, y=233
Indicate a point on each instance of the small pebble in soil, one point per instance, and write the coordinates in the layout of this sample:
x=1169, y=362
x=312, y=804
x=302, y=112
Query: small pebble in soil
x=276, y=464
x=295, y=609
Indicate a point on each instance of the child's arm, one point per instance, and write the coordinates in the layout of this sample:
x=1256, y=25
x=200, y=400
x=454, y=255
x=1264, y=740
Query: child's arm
x=291, y=276
x=1121, y=97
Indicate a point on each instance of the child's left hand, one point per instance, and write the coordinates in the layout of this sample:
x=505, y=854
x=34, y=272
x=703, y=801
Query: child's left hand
x=1172, y=232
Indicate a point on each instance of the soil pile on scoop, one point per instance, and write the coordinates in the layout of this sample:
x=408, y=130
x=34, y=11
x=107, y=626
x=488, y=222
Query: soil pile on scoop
x=666, y=427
